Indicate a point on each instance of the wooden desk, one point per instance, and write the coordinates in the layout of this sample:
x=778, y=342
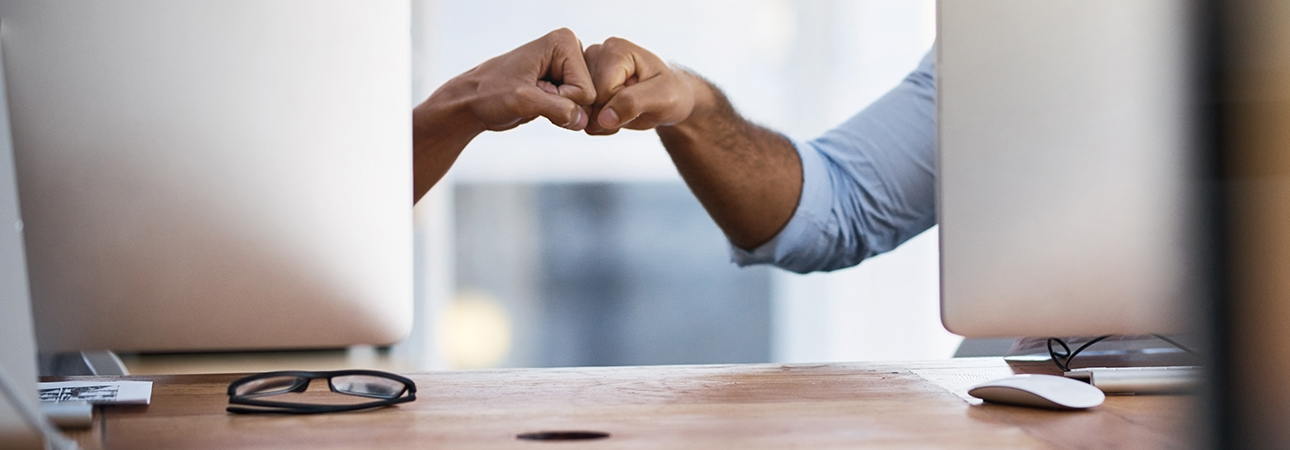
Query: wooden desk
x=859, y=405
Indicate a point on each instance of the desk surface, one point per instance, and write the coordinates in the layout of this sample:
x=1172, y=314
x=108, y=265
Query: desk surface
x=869, y=405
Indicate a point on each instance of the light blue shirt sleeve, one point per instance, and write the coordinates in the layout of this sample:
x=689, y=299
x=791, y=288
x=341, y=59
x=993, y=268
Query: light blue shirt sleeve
x=867, y=185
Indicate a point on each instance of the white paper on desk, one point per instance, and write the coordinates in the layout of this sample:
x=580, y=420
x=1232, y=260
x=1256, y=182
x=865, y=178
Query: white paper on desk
x=97, y=392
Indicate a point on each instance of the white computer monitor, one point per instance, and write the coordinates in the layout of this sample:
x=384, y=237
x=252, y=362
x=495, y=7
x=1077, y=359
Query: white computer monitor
x=212, y=175
x=1067, y=185
x=17, y=340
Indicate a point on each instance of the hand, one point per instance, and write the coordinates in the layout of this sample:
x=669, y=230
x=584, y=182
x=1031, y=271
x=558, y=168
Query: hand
x=547, y=77
x=635, y=89
x=749, y=178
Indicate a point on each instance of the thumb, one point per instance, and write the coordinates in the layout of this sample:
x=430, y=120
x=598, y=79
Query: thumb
x=655, y=102
x=561, y=111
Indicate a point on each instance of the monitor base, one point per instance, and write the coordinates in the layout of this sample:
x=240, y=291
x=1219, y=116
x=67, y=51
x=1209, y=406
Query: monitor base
x=1144, y=350
x=64, y=364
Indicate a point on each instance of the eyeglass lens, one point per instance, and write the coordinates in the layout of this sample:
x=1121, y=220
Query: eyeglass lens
x=270, y=386
x=367, y=386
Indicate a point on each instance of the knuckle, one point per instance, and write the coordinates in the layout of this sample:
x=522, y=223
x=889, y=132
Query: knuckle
x=514, y=101
x=615, y=43
x=672, y=97
x=563, y=33
x=585, y=96
x=628, y=102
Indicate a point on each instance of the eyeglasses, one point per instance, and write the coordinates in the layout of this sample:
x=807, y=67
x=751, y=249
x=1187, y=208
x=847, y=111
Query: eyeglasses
x=254, y=391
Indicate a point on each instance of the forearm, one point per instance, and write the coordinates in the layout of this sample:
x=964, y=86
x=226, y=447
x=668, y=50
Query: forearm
x=747, y=177
x=439, y=133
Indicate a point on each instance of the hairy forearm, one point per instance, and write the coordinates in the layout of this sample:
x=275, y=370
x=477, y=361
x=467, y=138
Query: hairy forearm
x=747, y=177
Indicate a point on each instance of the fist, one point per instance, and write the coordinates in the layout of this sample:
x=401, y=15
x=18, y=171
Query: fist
x=635, y=89
x=547, y=77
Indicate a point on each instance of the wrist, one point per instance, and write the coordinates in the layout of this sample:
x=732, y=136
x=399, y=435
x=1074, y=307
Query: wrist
x=442, y=126
x=705, y=98
x=446, y=116
x=706, y=103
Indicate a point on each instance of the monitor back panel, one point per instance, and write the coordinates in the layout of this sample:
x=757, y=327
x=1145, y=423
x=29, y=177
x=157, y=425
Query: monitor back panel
x=17, y=342
x=1066, y=195
x=213, y=175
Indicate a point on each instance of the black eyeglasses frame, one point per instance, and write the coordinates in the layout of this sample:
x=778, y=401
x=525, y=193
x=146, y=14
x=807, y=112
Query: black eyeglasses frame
x=258, y=406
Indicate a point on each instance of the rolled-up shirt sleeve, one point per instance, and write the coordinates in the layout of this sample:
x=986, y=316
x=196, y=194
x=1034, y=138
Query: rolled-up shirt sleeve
x=867, y=185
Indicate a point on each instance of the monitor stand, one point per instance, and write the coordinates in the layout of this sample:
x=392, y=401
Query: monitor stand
x=977, y=347
x=65, y=364
x=1115, y=351
x=1123, y=364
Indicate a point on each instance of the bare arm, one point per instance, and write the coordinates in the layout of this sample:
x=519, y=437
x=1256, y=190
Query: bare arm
x=547, y=77
x=747, y=177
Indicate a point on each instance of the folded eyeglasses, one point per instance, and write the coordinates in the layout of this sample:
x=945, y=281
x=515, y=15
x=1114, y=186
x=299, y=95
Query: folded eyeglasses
x=268, y=392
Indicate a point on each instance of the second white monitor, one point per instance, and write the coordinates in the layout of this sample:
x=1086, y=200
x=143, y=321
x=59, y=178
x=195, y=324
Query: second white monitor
x=1067, y=197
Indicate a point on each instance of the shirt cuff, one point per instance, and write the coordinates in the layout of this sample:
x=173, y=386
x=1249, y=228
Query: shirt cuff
x=804, y=228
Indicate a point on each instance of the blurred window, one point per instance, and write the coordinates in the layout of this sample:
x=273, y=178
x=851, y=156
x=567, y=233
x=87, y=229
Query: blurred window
x=593, y=249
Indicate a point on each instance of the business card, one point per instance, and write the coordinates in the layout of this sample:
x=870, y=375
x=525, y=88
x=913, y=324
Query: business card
x=97, y=392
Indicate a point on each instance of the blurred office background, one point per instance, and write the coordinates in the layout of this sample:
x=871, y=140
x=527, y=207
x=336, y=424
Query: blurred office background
x=544, y=247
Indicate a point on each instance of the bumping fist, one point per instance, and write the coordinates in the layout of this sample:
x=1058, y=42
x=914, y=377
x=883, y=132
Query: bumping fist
x=607, y=87
x=635, y=89
x=547, y=77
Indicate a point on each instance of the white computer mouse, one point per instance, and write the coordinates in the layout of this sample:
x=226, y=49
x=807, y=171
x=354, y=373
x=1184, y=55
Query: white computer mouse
x=1040, y=391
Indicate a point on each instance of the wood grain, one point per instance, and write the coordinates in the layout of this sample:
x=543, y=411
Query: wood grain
x=860, y=405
